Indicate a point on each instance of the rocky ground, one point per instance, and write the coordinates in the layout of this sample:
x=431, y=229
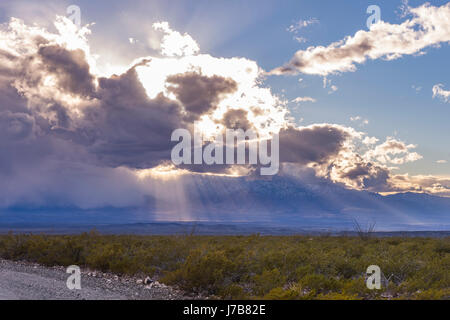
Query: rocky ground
x=23, y=280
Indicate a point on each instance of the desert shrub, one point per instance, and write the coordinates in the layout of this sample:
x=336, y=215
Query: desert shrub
x=268, y=280
x=320, y=283
x=432, y=294
x=442, y=247
x=303, y=271
x=233, y=291
x=204, y=271
x=337, y=296
x=280, y=293
x=346, y=268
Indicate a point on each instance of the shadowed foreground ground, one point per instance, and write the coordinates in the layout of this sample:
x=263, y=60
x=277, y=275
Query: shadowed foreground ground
x=28, y=281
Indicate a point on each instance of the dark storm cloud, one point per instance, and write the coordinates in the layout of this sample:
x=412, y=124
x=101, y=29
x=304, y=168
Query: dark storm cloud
x=356, y=172
x=236, y=119
x=10, y=99
x=15, y=126
x=377, y=180
x=129, y=128
x=325, y=146
x=115, y=124
x=70, y=67
x=200, y=94
x=62, y=116
x=366, y=175
x=317, y=143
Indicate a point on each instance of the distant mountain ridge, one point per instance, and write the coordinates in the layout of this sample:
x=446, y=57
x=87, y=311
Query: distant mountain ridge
x=286, y=201
x=280, y=201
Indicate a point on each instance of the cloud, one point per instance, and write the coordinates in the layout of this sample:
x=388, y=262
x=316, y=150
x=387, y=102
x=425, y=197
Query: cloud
x=360, y=163
x=300, y=24
x=370, y=140
x=304, y=99
x=393, y=151
x=333, y=89
x=429, y=26
x=420, y=183
x=441, y=161
x=63, y=184
x=362, y=175
x=353, y=170
x=236, y=119
x=362, y=122
x=438, y=91
x=327, y=82
x=300, y=39
x=15, y=126
x=69, y=67
x=200, y=94
x=174, y=43
x=416, y=88
x=313, y=144
x=123, y=127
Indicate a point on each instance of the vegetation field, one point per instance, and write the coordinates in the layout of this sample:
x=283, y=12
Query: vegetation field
x=254, y=267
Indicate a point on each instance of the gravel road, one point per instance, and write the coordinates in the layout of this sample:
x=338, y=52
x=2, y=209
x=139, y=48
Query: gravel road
x=23, y=280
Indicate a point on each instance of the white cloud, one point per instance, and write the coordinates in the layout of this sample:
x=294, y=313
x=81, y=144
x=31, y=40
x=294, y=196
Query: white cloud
x=441, y=161
x=300, y=39
x=417, y=88
x=429, y=26
x=300, y=24
x=421, y=183
x=362, y=122
x=304, y=99
x=333, y=89
x=370, y=140
x=327, y=82
x=393, y=151
x=439, y=92
x=266, y=111
x=174, y=43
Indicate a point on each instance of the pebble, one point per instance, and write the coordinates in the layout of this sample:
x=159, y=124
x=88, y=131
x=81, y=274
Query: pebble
x=148, y=280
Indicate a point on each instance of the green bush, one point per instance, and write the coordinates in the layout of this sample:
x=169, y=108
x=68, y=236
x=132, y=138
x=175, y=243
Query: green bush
x=268, y=280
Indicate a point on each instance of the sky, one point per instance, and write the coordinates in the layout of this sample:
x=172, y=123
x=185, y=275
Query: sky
x=365, y=108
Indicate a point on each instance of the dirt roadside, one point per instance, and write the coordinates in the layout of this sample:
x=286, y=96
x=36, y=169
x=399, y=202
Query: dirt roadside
x=28, y=281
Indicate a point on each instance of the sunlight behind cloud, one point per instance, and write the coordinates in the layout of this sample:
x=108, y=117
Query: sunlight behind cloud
x=174, y=43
